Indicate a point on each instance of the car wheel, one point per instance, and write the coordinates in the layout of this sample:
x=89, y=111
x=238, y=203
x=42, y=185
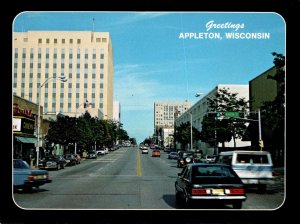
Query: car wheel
x=187, y=200
x=237, y=205
x=27, y=189
x=261, y=188
x=178, y=199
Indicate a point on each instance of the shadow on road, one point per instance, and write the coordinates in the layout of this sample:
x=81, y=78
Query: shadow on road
x=170, y=200
x=29, y=191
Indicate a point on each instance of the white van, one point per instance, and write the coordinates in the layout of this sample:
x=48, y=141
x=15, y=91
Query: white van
x=253, y=167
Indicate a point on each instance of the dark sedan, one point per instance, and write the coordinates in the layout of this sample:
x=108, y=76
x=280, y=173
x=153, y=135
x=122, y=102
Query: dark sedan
x=209, y=183
x=53, y=162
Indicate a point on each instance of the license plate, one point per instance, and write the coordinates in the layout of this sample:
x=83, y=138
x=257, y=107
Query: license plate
x=40, y=177
x=217, y=191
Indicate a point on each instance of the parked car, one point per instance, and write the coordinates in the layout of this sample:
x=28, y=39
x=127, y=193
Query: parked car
x=156, y=153
x=209, y=183
x=102, y=151
x=173, y=155
x=185, y=157
x=91, y=155
x=25, y=178
x=78, y=158
x=208, y=159
x=53, y=162
x=70, y=159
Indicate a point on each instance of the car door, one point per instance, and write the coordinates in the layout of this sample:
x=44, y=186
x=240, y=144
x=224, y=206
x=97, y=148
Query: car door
x=183, y=179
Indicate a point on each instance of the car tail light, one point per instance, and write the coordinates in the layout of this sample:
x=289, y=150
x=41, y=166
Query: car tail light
x=32, y=178
x=235, y=191
x=200, y=191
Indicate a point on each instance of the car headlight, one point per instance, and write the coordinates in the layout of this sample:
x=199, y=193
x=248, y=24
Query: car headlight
x=188, y=159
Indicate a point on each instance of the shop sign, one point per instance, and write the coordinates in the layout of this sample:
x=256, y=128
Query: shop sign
x=17, y=124
x=23, y=125
x=22, y=112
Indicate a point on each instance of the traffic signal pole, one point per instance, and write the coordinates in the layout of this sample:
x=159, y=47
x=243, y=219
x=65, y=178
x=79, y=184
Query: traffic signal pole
x=261, y=144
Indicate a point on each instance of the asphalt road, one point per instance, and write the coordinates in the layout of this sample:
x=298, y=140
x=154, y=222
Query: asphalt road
x=126, y=179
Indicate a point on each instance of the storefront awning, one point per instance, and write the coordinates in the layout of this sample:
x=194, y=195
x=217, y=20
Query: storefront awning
x=26, y=139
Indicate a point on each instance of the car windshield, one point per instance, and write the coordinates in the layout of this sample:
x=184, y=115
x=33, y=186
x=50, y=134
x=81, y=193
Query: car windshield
x=20, y=164
x=186, y=154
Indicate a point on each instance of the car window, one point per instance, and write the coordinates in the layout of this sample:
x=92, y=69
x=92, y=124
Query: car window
x=225, y=159
x=186, y=172
x=252, y=159
x=19, y=164
x=213, y=171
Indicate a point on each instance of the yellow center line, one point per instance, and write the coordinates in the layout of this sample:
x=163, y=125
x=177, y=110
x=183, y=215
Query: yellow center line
x=138, y=164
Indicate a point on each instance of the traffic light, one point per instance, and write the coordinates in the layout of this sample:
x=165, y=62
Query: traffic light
x=261, y=143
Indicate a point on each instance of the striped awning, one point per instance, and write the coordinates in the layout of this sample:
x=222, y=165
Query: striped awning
x=26, y=139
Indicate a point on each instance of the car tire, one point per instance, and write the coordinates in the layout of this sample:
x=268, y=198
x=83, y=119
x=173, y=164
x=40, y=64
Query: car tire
x=27, y=189
x=262, y=188
x=187, y=201
x=237, y=205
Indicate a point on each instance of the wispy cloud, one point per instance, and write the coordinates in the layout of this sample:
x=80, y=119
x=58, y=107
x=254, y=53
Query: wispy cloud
x=140, y=16
x=137, y=89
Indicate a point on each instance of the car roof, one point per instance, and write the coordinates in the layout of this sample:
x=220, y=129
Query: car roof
x=207, y=164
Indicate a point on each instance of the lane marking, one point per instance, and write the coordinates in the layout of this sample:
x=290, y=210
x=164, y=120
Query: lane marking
x=138, y=164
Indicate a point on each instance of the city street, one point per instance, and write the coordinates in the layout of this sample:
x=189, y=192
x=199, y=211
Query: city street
x=126, y=179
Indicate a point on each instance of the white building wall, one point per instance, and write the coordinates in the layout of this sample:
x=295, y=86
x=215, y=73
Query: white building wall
x=199, y=110
x=117, y=111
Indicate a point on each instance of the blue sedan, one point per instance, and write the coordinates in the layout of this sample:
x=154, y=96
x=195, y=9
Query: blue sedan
x=26, y=178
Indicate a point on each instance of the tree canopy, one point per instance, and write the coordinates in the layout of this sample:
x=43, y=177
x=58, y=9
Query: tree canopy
x=85, y=131
x=216, y=127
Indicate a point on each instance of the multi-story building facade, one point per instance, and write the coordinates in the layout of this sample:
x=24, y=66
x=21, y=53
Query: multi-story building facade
x=164, y=117
x=262, y=89
x=197, y=112
x=85, y=58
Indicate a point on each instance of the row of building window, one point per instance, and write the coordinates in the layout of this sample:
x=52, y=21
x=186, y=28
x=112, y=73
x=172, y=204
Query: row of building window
x=86, y=55
x=64, y=41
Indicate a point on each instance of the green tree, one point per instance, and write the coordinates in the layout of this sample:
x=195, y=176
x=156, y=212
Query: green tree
x=183, y=134
x=216, y=128
x=273, y=113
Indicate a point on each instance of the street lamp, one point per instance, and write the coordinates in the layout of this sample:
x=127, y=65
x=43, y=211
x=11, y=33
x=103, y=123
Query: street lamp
x=191, y=147
x=215, y=132
x=62, y=79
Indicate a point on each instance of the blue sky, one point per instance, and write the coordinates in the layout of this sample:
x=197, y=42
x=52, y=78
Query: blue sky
x=153, y=64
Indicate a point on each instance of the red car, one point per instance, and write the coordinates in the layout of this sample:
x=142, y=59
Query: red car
x=155, y=153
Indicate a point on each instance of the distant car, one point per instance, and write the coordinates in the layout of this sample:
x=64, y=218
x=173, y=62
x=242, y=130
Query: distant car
x=70, y=159
x=91, y=155
x=25, y=178
x=102, y=151
x=145, y=151
x=53, y=162
x=185, y=157
x=209, y=183
x=173, y=155
x=156, y=153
